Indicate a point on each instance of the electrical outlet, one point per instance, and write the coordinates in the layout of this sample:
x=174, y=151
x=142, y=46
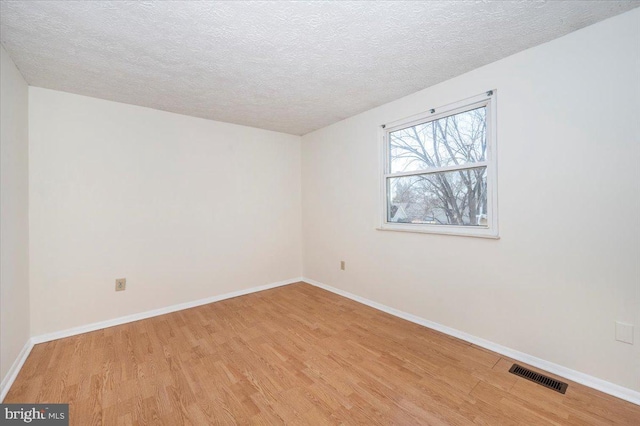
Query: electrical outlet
x=121, y=284
x=624, y=332
x=343, y=265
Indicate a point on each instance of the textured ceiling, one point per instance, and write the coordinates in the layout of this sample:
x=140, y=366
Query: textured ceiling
x=287, y=66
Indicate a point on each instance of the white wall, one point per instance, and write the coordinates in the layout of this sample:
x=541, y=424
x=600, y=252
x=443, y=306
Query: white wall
x=14, y=213
x=568, y=262
x=184, y=208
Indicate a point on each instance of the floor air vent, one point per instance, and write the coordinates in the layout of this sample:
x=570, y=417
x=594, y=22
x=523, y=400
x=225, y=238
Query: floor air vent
x=540, y=379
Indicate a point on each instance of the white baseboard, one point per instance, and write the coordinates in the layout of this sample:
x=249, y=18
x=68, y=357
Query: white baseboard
x=11, y=375
x=155, y=312
x=576, y=376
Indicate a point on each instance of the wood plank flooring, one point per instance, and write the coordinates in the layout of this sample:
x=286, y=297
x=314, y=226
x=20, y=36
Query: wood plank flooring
x=293, y=355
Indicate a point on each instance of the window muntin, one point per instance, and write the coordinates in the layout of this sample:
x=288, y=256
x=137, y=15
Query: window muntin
x=439, y=170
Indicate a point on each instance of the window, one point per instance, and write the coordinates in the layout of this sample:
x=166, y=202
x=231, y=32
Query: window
x=440, y=170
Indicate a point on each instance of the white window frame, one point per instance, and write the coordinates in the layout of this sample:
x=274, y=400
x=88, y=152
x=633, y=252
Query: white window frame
x=487, y=100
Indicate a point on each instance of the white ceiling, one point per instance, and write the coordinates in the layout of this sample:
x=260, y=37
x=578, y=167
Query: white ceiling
x=288, y=66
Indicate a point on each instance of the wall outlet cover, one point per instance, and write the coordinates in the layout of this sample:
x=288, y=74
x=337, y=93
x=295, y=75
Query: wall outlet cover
x=624, y=332
x=121, y=284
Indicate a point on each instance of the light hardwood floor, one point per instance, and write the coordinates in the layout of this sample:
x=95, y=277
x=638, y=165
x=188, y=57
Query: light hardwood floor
x=295, y=355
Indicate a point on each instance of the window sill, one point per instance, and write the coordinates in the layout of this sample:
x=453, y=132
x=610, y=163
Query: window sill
x=453, y=231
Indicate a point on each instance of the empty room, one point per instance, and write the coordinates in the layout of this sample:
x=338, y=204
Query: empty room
x=320, y=212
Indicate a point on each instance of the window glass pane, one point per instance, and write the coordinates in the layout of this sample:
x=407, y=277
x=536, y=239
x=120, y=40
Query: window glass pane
x=448, y=141
x=447, y=198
